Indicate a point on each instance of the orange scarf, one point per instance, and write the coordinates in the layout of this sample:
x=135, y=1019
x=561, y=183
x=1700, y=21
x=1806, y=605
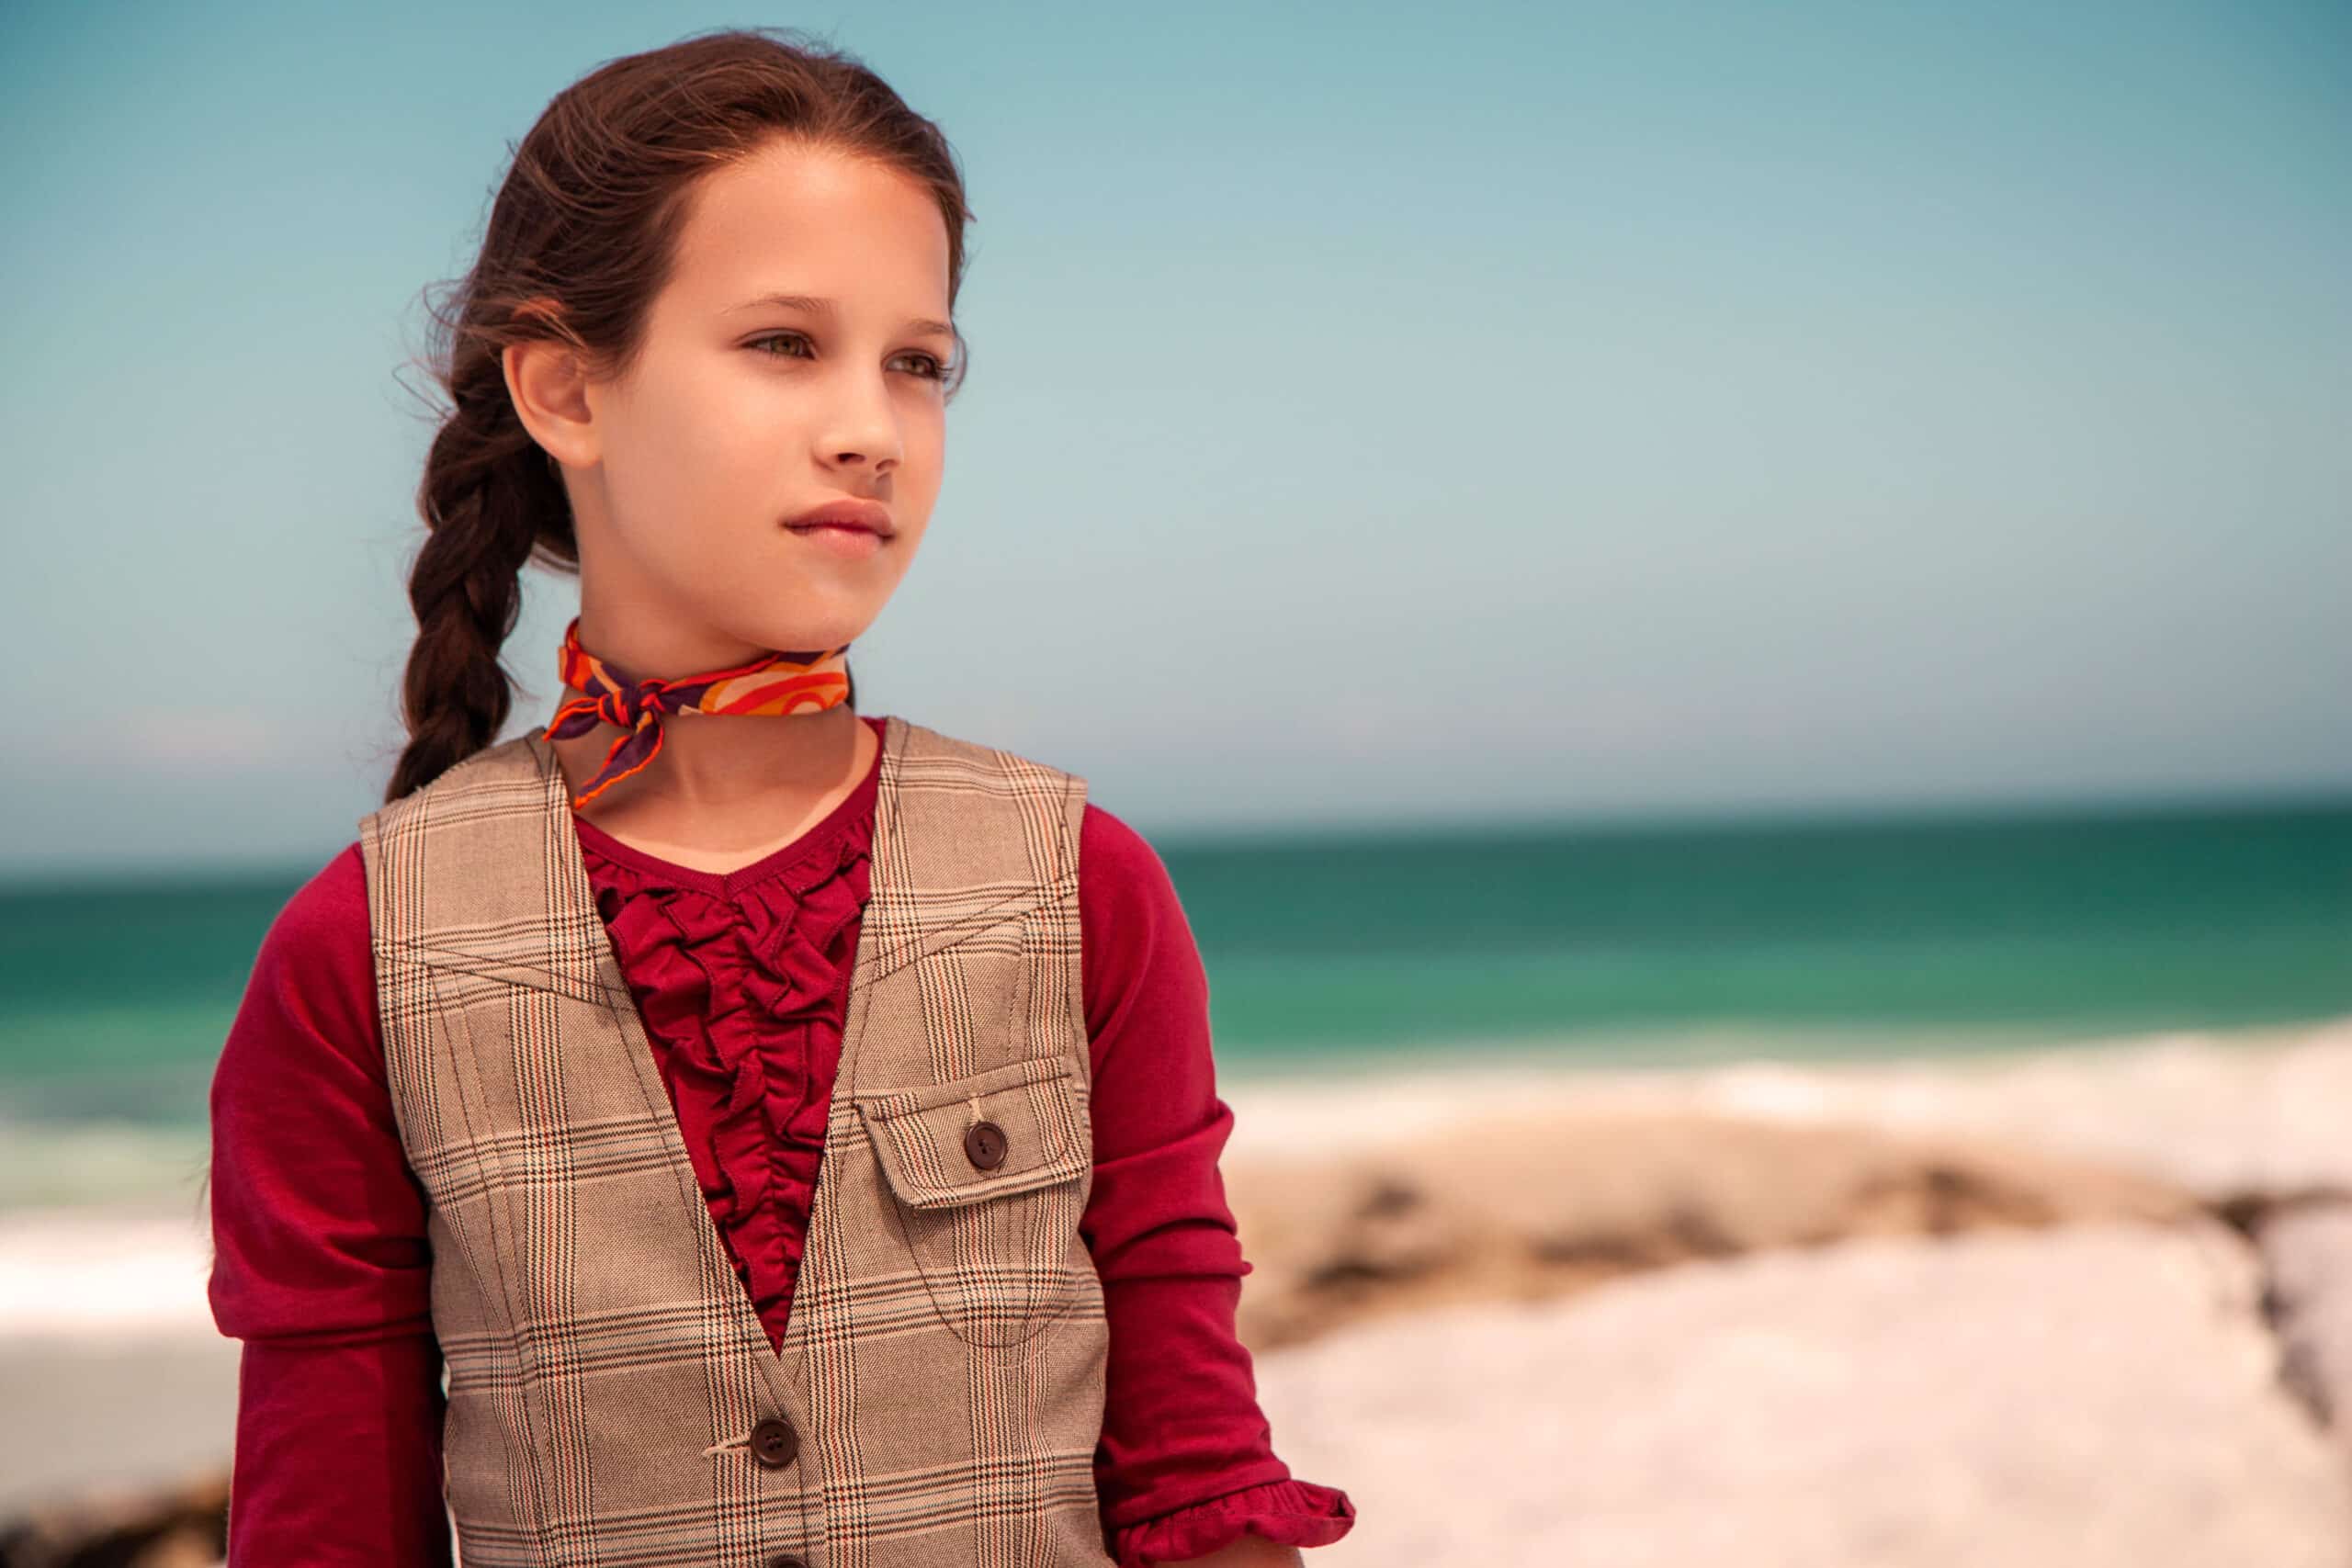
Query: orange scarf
x=777, y=683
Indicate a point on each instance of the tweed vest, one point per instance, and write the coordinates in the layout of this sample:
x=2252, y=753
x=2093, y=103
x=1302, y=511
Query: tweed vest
x=614, y=1401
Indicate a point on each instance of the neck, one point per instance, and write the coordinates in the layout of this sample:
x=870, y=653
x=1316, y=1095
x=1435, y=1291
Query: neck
x=710, y=766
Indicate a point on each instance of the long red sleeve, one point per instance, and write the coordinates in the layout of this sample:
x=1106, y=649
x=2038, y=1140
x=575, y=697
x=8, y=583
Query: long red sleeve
x=322, y=1264
x=1185, y=1464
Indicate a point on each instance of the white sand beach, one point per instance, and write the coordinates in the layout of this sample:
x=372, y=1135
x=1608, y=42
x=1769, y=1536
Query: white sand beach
x=2085, y=1306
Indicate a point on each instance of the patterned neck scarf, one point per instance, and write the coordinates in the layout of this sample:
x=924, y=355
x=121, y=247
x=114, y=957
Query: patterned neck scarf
x=777, y=683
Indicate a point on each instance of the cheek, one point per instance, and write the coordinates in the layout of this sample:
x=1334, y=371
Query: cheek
x=724, y=426
x=698, y=464
x=925, y=451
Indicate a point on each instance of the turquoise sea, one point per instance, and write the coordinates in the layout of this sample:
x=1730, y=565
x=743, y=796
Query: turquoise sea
x=1330, y=953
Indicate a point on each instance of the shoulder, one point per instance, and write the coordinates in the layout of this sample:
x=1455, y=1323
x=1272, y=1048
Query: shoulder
x=1127, y=901
x=514, y=770
x=327, y=916
x=1131, y=917
x=969, y=792
x=1116, y=865
x=1145, y=984
x=313, y=976
x=930, y=751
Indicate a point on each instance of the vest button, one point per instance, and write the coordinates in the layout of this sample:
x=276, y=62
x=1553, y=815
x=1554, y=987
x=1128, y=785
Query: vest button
x=984, y=1142
x=773, y=1443
x=788, y=1560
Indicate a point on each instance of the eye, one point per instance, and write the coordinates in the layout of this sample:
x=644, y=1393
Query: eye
x=931, y=370
x=777, y=337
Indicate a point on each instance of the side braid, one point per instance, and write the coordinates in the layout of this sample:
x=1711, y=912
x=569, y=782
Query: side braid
x=487, y=488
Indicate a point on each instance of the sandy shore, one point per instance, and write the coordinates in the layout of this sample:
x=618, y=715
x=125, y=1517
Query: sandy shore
x=1670, y=1304
x=116, y=1413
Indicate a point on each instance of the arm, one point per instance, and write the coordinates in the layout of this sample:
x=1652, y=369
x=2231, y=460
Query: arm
x=1185, y=1471
x=320, y=1263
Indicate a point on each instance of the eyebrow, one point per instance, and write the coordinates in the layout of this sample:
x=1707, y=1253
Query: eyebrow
x=818, y=306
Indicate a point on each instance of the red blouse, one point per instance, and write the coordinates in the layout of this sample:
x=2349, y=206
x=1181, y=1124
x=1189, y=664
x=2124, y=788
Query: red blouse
x=321, y=1266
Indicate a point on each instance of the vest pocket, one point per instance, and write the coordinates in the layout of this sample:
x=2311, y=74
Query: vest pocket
x=986, y=1171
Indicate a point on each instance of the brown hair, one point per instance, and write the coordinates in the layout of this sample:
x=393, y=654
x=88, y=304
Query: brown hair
x=580, y=239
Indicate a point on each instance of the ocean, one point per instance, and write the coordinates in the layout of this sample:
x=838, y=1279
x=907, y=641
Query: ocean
x=1331, y=954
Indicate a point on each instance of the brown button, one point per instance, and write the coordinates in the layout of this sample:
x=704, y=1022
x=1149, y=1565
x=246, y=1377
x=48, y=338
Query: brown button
x=984, y=1142
x=773, y=1442
x=788, y=1560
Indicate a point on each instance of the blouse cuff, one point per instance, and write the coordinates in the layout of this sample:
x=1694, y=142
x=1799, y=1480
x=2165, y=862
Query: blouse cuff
x=1288, y=1513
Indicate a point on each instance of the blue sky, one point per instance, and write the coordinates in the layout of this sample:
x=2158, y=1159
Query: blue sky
x=1376, y=414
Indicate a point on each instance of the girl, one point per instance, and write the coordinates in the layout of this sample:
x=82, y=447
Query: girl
x=796, y=1135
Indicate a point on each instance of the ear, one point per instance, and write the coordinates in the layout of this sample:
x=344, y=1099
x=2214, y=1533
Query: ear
x=549, y=390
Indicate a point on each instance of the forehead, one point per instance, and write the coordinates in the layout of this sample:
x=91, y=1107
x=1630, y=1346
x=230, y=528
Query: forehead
x=802, y=220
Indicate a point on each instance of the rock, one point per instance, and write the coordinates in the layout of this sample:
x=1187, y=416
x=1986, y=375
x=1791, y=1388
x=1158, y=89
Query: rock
x=2100, y=1396
x=2307, y=1249
x=177, y=1527
x=1540, y=1204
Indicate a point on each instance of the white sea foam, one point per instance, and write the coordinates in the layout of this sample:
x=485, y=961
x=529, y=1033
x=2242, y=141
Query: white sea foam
x=2226, y=1110
x=103, y=1272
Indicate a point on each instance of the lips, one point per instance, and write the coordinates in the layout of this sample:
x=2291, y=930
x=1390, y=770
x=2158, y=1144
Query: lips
x=867, y=516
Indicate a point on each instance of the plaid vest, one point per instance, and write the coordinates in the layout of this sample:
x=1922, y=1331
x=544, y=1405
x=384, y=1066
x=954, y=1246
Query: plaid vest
x=614, y=1401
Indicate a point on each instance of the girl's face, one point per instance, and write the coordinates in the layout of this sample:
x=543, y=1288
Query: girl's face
x=793, y=358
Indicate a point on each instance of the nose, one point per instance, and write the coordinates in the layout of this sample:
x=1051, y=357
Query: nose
x=865, y=427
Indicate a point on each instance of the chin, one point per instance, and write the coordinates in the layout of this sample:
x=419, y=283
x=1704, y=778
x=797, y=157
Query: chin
x=805, y=634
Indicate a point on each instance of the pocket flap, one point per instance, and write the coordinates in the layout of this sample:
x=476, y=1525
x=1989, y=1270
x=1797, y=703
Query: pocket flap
x=920, y=1133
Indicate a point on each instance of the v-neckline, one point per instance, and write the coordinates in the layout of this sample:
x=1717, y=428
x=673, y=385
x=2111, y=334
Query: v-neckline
x=575, y=902
x=727, y=886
